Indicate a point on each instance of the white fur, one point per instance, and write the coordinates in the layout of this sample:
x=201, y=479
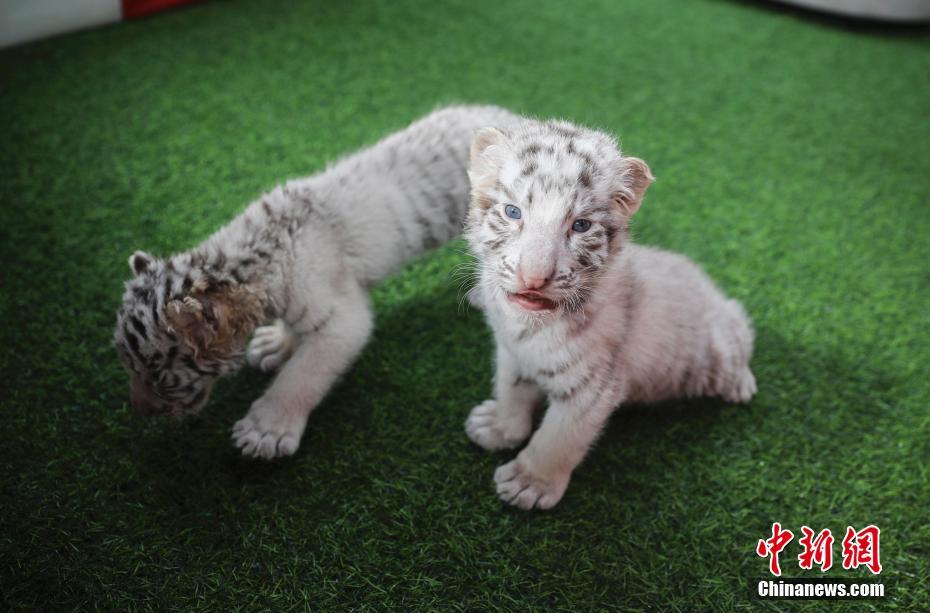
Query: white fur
x=300, y=258
x=643, y=325
x=369, y=230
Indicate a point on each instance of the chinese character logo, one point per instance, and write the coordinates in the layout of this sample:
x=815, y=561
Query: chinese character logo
x=859, y=548
x=772, y=547
x=816, y=550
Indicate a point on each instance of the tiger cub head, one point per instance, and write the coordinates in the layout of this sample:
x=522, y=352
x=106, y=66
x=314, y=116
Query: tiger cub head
x=550, y=206
x=180, y=327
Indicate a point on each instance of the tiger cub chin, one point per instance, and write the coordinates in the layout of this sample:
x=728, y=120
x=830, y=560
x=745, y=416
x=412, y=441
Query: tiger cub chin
x=292, y=272
x=581, y=316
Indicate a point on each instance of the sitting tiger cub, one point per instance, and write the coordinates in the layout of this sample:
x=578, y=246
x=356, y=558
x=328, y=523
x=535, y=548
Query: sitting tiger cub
x=299, y=259
x=581, y=315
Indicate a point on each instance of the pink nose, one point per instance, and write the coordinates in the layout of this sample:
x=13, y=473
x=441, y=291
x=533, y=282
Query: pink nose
x=534, y=282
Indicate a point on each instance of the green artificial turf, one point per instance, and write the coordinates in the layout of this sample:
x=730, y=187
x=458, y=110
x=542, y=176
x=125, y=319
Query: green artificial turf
x=793, y=161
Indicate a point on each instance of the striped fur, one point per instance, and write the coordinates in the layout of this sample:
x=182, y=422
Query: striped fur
x=619, y=322
x=301, y=259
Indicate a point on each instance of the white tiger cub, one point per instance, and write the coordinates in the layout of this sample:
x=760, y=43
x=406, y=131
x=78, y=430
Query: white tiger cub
x=300, y=258
x=581, y=315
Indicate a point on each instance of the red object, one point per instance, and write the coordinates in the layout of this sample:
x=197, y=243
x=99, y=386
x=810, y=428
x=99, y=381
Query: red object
x=773, y=546
x=139, y=8
x=817, y=550
x=861, y=548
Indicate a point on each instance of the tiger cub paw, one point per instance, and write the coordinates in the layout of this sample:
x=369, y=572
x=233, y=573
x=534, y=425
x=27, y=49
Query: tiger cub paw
x=492, y=427
x=271, y=346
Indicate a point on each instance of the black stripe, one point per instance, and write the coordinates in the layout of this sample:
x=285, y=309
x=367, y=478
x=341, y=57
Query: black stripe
x=562, y=130
x=198, y=397
x=585, y=178
x=604, y=384
x=497, y=224
x=595, y=211
x=561, y=368
x=592, y=243
x=133, y=344
x=166, y=294
x=577, y=387
x=530, y=150
x=190, y=363
x=427, y=239
x=140, y=328
x=611, y=233
x=155, y=319
x=453, y=214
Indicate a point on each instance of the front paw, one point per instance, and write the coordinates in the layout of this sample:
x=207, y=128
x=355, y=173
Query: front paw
x=493, y=427
x=517, y=485
x=270, y=346
x=268, y=431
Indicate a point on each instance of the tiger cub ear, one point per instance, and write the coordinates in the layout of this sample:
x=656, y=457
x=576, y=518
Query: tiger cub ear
x=486, y=153
x=140, y=261
x=633, y=177
x=487, y=158
x=484, y=138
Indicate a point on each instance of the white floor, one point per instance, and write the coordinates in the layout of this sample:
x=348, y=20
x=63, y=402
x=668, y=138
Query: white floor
x=891, y=10
x=23, y=20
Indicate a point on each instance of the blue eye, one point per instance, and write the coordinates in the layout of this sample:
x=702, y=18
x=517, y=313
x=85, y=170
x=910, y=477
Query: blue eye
x=581, y=225
x=512, y=212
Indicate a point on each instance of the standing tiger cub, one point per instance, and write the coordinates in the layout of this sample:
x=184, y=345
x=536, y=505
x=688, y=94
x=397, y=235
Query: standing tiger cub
x=581, y=315
x=299, y=259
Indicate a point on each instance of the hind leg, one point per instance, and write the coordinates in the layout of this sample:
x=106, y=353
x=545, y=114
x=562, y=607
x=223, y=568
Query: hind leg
x=727, y=367
x=741, y=388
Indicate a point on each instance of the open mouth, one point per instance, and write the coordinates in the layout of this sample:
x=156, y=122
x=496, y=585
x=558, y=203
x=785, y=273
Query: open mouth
x=532, y=301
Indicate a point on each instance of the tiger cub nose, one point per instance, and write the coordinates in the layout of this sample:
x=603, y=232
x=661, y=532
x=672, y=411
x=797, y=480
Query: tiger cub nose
x=142, y=402
x=534, y=282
